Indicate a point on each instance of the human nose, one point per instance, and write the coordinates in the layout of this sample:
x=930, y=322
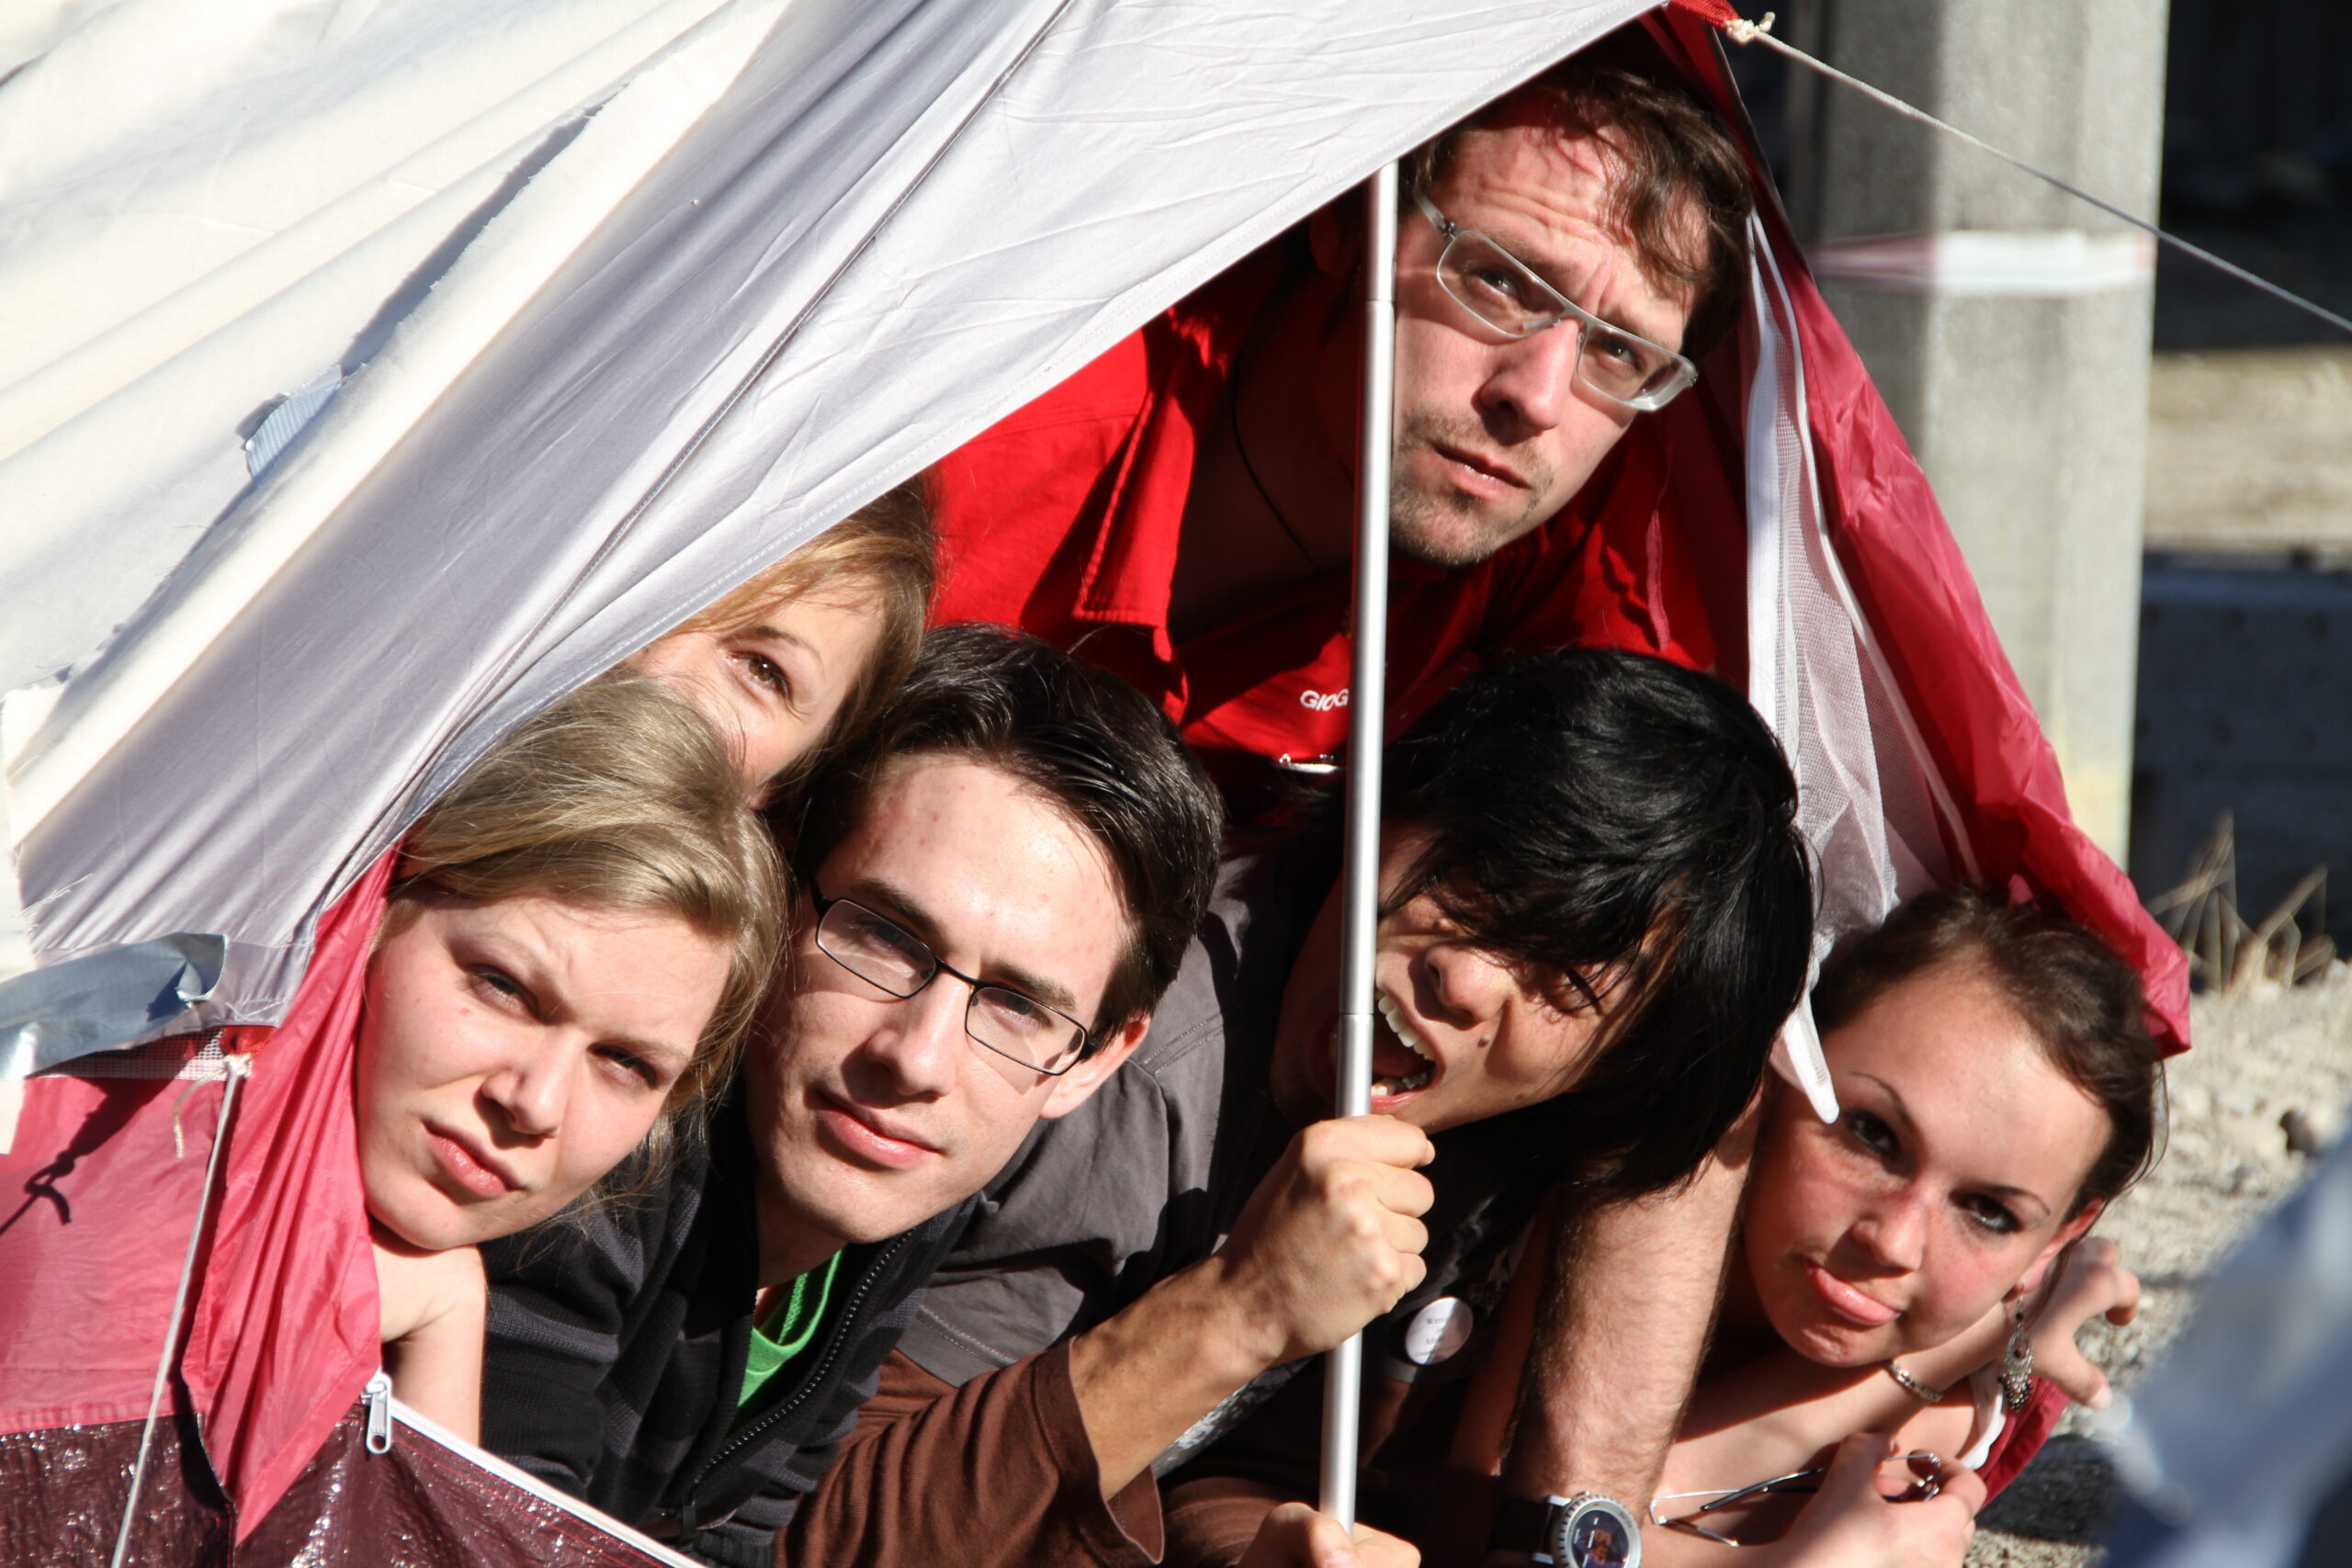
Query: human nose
x=1532, y=383
x=923, y=1044
x=1460, y=987
x=532, y=1090
x=1894, y=1230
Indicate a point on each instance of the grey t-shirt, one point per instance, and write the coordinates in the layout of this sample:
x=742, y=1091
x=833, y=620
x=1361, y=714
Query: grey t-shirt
x=1148, y=1176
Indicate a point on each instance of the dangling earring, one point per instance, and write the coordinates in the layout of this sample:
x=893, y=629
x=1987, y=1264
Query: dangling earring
x=2016, y=1367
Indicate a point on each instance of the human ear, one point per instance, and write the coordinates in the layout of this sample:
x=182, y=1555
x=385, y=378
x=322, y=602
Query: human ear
x=1074, y=1087
x=2068, y=1234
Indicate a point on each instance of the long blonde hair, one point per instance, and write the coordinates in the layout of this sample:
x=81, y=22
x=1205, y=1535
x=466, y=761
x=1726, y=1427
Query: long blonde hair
x=884, y=550
x=617, y=797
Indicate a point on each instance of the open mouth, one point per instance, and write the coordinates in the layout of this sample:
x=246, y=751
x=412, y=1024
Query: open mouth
x=1402, y=1062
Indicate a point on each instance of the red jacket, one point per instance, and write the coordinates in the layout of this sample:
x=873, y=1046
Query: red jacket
x=1063, y=519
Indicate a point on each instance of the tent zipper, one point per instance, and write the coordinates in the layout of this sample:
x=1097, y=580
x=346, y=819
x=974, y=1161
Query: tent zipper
x=378, y=1396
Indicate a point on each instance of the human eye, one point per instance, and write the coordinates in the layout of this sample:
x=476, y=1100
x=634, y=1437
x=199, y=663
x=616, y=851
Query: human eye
x=1870, y=1132
x=1622, y=352
x=634, y=1066
x=1497, y=280
x=1990, y=1213
x=500, y=989
x=876, y=948
x=763, y=671
x=1020, y=1015
x=880, y=936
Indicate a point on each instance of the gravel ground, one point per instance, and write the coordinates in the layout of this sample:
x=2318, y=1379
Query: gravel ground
x=2262, y=1058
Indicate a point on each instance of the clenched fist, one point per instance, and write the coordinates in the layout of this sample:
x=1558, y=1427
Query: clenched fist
x=1332, y=1237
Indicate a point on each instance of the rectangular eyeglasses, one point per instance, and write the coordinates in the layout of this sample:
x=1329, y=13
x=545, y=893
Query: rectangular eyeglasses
x=1016, y=1027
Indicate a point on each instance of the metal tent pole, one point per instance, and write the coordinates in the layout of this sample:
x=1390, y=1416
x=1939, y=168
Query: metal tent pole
x=1367, y=700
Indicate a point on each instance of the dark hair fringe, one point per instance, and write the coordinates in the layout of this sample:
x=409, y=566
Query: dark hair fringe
x=1085, y=739
x=1624, y=820
x=2082, y=1002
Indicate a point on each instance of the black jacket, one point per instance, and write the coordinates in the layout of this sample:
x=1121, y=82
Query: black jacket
x=616, y=1346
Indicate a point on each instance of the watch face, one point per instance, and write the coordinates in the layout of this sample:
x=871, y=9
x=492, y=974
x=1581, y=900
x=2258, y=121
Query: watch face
x=1599, y=1534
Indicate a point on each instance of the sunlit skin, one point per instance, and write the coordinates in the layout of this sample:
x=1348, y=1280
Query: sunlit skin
x=1494, y=435
x=1943, y=1186
x=511, y=1053
x=1499, y=1036
x=771, y=688
x=875, y=1112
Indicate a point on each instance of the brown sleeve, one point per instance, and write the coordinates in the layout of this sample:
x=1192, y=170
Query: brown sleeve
x=1213, y=1518
x=1215, y=1504
x=998, y=1472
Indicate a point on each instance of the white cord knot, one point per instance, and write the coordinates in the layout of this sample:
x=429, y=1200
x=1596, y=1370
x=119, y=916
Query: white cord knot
x=1742, y=30
x=231, y=1067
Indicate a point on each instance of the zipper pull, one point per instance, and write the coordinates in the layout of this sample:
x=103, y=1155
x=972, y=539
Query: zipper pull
x=378, y=1398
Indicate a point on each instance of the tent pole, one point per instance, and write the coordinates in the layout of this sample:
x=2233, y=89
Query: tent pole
x=1367, y=701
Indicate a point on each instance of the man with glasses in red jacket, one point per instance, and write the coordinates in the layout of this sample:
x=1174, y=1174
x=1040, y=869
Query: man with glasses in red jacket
x=1182, y=508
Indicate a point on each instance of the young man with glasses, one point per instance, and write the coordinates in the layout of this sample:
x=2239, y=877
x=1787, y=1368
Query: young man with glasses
x=1595, y=913
x=1185, y=503
x=1001, y=883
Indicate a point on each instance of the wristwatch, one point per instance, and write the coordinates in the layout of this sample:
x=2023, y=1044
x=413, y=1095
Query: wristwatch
x=1586, y=1530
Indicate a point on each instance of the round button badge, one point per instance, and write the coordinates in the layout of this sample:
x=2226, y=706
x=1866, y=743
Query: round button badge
x=1439, y=1330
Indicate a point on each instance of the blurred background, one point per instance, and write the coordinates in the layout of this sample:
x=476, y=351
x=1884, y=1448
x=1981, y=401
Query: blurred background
x=2149, y=465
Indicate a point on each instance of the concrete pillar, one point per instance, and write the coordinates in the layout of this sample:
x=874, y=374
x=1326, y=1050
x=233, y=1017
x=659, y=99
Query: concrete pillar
x=2013, y=346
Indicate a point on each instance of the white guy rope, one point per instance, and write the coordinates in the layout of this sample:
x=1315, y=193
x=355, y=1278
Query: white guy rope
x=1743, y=32
x=238, y=1067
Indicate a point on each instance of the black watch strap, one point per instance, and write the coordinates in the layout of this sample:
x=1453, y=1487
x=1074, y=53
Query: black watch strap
x=1524, y=1524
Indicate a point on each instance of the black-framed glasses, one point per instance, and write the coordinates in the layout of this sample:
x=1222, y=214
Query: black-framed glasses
x=1017, y=1027
x=1505, y=293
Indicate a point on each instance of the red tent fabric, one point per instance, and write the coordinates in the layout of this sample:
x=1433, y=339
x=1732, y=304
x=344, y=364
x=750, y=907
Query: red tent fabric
x=286, y=1332
x=1921, y=600
x=283, y=1325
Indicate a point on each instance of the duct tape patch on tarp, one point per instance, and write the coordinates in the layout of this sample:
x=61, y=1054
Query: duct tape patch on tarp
x=104, y=1001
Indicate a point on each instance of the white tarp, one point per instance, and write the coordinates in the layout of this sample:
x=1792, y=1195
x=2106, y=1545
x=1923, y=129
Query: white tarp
x=897, y=222
x=204, y=203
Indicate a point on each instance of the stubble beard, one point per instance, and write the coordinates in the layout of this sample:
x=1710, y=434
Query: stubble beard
x=1445, y=528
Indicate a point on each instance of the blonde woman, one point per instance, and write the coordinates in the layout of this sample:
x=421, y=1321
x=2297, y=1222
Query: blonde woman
x=577, y=936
